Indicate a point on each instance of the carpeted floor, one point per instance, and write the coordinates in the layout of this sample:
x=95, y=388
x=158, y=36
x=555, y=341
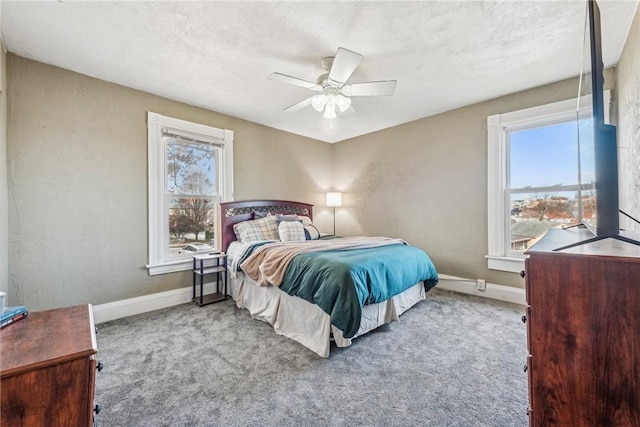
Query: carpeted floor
x=452, y=360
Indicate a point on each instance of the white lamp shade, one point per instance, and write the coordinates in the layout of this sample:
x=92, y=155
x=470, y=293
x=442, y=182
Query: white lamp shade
x=334, y=199
x=343, y=103
x=318, y=102
x=330, y=108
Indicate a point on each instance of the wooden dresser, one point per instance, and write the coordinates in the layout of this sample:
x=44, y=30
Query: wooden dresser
x=47, y=369
x=583, y=331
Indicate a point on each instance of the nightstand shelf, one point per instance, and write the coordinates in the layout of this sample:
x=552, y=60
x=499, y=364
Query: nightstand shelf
x=209, y=270
x=210, y=264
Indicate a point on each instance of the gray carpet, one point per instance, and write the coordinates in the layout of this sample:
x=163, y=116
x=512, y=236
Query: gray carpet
x=452, y=360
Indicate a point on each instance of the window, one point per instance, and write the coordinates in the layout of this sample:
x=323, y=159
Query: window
x=540, y=176
x=190, y=173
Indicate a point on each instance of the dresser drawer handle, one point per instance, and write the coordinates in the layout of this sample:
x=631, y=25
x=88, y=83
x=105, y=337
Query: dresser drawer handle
x=524, y=318
x=100, y=366
x=522, y=273
x=526, y=367
x=97, y=408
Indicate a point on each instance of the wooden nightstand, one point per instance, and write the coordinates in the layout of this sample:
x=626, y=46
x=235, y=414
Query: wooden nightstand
x=210, y=264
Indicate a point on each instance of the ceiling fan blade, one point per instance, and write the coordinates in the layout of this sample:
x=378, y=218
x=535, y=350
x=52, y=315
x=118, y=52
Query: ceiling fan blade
x=295, y=81
x=344, y=64
x=299, y=106
x=382, y=88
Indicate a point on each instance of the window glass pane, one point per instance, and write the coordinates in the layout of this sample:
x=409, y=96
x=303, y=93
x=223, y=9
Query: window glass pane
x=191, y=167
x=544, y=156
x=191, y=225
x=532, y=214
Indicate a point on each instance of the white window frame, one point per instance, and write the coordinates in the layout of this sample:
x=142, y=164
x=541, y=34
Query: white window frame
x=159, y=263
x=498, y=126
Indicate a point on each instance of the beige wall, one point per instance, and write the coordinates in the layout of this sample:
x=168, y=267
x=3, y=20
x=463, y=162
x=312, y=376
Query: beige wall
x=628, y=84
x=77, y=153
x=426, y=181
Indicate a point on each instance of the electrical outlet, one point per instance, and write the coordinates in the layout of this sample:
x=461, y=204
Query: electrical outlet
x=481, y=284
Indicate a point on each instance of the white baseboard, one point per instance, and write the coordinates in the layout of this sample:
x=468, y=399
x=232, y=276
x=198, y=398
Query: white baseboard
x=493, y=291
x=132, y=306
x=129, y=307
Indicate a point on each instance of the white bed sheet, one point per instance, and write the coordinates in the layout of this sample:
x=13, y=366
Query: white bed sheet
x=306, y=323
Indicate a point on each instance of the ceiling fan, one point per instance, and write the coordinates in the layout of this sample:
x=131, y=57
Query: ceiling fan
x=333, y=90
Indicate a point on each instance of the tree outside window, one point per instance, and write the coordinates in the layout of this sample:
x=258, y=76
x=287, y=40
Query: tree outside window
x=192, y=192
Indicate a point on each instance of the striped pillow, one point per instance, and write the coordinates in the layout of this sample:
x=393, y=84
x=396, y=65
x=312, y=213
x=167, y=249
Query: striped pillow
x=311, y=232
x=260, y=229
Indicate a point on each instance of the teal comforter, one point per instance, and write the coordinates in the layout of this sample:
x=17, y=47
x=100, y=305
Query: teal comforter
x=341, y=282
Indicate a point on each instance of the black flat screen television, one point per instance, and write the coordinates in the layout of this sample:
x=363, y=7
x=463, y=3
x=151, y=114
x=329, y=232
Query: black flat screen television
x=605, y=220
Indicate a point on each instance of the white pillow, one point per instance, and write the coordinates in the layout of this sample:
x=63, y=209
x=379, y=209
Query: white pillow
x=311, y=232
x=291, y=231
x=305, y=220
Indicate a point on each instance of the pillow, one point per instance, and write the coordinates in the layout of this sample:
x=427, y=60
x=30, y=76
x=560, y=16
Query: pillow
x=291, y=231
x=263, y=214
x=281, y=218
x=311, y=232
x=305, y=220
x=258, y=215
x=259, y=229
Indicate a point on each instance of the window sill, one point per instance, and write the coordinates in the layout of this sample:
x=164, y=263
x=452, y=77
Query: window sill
x=170, y=266
x=510, y=264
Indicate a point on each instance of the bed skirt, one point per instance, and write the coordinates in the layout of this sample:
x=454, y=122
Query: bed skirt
x=306, y=323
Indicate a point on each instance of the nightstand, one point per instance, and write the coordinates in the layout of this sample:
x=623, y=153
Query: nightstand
x=214, y=265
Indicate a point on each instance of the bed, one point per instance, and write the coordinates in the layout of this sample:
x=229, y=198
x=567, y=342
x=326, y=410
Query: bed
x=316, y=299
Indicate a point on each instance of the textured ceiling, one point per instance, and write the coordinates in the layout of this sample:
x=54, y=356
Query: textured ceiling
x=217, y=55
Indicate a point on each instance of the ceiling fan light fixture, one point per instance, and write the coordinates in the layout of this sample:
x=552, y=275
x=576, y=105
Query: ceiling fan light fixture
x=343, y=103
x=318, y=102
x=329, y=113
x=330, y=108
